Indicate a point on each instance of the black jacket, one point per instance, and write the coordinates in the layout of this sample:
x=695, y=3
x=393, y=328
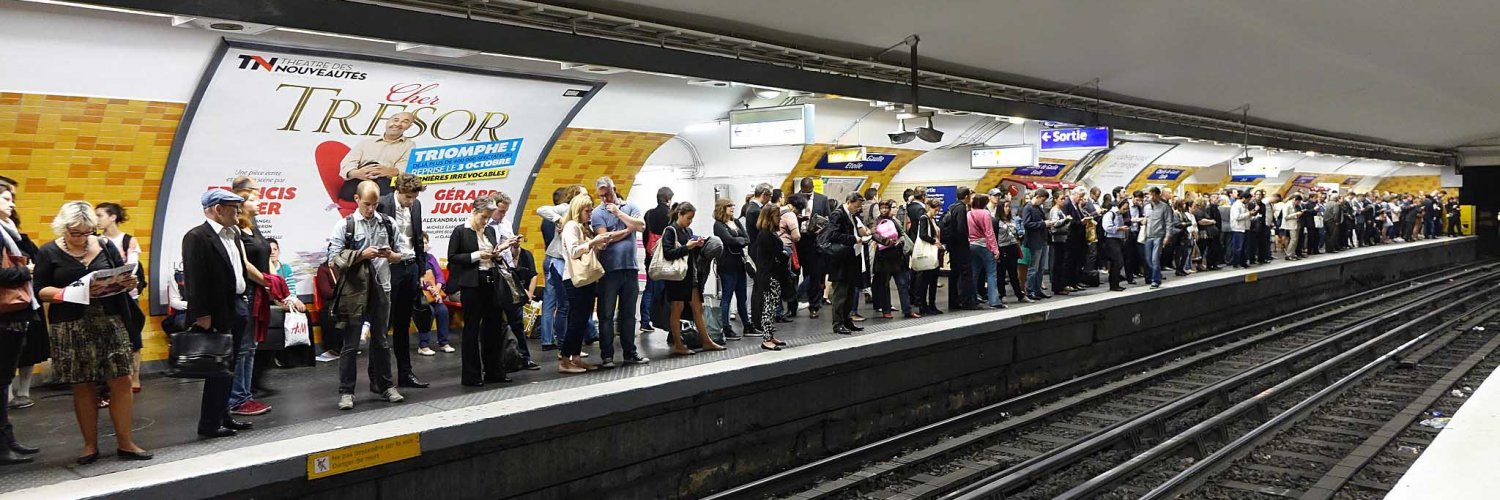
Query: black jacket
x=843, y=234
x=15, y=276
x=387, y=206
x=752, y=216
x=463, y=270
x=955, y=233
x=770, y=261
x=1034, y=224
x=819, y=204
x=735, y=240
x=209, y=274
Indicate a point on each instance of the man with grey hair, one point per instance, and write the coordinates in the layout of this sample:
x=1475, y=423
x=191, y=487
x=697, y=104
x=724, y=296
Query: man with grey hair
x=215, y=276
x=618, y=221
x=758, y=200
x=361, y=248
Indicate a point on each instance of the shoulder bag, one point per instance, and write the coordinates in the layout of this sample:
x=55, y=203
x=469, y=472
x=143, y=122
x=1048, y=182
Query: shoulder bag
x=667, y=270
x=18, y=297
x=585, y=269
x=924, y=255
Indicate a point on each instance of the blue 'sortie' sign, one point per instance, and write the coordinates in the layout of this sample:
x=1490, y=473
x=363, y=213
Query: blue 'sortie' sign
x=1075, y=138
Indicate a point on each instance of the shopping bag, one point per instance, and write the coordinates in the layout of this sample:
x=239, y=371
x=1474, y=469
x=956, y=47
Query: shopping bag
x=296, y=329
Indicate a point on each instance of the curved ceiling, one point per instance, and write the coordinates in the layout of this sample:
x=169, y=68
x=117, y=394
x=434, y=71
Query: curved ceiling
x=1395, y=71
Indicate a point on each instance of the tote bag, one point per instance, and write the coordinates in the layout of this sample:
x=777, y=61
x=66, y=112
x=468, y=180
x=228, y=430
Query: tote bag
x=667, y=270
x=585, y=269
x=924, y=255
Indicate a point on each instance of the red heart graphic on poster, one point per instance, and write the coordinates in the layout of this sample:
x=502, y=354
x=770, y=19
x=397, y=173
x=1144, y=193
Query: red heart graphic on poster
x=328, y=155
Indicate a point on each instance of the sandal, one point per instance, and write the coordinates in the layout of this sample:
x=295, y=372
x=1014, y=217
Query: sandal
x=102, y=402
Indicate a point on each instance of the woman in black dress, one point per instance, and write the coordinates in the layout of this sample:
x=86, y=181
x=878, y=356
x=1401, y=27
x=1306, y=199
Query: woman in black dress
x=678, y=242
x=13, y=325
x=771, y=276
x=89, y=342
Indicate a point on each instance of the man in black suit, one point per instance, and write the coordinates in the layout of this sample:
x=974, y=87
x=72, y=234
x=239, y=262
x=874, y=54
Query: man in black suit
x=955, y=233
x=1037, y=236
x=405, y=212
x=844, y=265
x=814, y=273
x=213, y=266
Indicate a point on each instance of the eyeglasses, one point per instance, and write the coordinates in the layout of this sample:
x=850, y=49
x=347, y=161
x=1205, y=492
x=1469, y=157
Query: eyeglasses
x=80, y=234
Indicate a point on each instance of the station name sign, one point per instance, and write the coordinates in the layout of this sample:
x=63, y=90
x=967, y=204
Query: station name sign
x=1075, y=138
x=873, y=162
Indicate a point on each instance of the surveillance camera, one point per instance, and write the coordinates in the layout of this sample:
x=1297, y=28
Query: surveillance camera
x=1246, y=160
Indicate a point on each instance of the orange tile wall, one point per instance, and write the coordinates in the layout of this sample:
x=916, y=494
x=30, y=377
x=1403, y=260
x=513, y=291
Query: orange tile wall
x=64, y=148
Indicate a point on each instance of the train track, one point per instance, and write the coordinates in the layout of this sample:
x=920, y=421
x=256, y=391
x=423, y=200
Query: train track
x=1014, y=443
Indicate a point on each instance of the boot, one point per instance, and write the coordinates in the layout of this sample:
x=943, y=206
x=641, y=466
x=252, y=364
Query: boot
x=8, y=434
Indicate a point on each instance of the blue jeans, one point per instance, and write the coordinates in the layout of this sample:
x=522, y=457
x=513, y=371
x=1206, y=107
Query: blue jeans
x=982, y=259
x=558, y=317
x=244, y=365
x=648, y=296
x=440, y=317
x=618, y=291
x=731, y=284
x=1153, y=260
x=1237, y=248
x=1034, y=271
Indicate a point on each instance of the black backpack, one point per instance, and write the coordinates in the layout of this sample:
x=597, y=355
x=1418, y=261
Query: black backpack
x=829, y=248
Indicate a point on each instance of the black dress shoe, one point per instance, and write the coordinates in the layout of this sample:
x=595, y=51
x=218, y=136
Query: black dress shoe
x=843, y=330
x=237, y=425
x=10, y=457
x=852, y=326
x=134, y=455
x=1117, y=289
x=86, y=459
x=411, y=381
x=216, y=433
x=496, y=380
x=473, y=384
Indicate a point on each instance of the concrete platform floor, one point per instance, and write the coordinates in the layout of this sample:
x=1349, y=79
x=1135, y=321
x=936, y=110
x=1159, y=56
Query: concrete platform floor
x=167, y=409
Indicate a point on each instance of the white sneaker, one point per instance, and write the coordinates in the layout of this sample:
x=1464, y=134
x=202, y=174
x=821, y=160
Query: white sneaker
x=328, y=356
x=392, y=396
x=449, y=348
x=346, y=401
x=426, y=352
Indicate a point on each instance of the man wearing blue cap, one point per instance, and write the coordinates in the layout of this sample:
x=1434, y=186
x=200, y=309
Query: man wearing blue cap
x=214, y=271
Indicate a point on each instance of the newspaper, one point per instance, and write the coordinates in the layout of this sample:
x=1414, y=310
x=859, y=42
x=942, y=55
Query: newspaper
x=113, y=282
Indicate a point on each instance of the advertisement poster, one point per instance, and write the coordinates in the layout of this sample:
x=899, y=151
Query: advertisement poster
x=302, y=123
x=1127, y=160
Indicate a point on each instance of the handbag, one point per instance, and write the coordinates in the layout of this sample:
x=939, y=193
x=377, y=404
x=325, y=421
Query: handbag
x=585, y=269
x=17, y=297
x=667, y=270
x=924, y=255
x=505, y=286
x=199, y=353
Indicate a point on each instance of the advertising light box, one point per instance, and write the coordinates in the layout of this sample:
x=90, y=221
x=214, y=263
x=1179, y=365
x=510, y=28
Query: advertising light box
x=1023, y=155
x=778, y=126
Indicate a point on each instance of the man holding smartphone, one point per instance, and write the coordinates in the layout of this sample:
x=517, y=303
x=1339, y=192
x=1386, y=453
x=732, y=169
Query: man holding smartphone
x=361, y=249
x=618, y=290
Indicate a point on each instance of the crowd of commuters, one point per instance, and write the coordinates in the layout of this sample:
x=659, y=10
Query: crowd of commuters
x=767, y=258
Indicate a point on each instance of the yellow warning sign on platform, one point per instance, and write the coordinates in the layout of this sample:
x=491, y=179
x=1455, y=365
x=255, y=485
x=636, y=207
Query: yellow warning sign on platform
x=363, y=456
x=1252, y=277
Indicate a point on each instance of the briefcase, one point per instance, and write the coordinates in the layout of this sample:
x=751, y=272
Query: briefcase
x=197, y=353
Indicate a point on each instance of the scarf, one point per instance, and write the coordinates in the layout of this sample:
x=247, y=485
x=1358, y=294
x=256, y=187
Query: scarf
x=12, y=237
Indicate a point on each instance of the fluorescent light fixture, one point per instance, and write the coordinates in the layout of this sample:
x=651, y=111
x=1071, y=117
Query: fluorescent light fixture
x=100, y=7
x=434, y=50
x=1016, y=120
x=1421, y=164
x=339, y=35
x=1310, y=153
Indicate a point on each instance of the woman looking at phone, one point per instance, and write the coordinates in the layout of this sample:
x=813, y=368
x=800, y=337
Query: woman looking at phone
x=679, y=243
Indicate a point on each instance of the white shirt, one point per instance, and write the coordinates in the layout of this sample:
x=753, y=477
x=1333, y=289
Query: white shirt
x=401, y=222
x=503, y=234
x=229, y=237
x=575, y=243
x=1239, y=217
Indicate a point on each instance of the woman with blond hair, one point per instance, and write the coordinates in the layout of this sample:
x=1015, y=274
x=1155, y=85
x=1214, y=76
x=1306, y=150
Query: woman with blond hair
x=577, y=243
x=89, y=342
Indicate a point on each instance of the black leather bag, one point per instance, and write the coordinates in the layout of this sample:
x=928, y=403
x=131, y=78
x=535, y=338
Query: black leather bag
x=200, y=354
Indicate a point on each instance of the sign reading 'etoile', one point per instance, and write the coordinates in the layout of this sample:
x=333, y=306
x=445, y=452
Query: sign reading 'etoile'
x=1075, y=138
